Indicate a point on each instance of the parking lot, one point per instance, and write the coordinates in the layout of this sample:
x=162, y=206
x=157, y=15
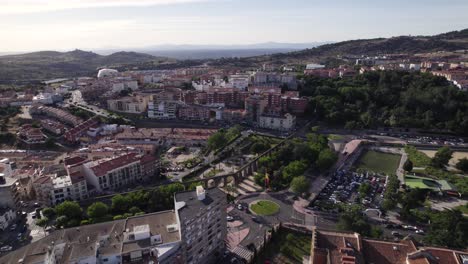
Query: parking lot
x=343, y=187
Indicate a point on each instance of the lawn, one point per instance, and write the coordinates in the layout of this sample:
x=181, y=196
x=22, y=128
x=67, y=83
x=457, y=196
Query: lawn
x=463, y=208
x=286, y=247
x=265, y=207
x=418, y=158
x=379, y=162
x=335, y=137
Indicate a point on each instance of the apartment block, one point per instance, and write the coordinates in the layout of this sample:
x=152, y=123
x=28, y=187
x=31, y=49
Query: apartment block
x=194, y=232
x=202, y=217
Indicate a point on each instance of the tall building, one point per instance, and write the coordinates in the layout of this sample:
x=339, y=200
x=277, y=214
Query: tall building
x=202, y=217
x=192, y=233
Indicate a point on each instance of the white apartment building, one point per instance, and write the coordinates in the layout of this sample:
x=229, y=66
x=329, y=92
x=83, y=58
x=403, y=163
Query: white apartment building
x=281, y=123
x=131, y=104
x=239, y=81
x=162, y=110
x=110, y=174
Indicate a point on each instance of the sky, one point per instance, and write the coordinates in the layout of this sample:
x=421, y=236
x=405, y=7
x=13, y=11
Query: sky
x=30, y=25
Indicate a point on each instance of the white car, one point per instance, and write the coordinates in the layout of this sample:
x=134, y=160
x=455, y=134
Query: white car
x=240, y=207
x=229, y=218
x=6, y=248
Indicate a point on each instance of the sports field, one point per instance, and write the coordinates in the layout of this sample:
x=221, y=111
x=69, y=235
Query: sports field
x=379, y=162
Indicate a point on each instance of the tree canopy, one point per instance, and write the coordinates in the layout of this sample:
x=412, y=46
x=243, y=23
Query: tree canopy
x=388, y=98
x=300, y=185
x=442, y=157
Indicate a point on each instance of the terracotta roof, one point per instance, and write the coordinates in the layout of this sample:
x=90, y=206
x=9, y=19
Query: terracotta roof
x=383, y=252
x=76, y=177
x=74, y=160
x=147, y=158
x=102, y=168
x=445, y=256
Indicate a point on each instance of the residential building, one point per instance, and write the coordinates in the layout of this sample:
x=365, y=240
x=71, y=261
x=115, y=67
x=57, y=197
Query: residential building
x=116, y=172
x=73, y=134
x=194, y=113
x=284, y=122
x=194, y=232
x=202, y=217
x=130, y=104
x=151, y=238
x=336, y=247
x=239, y=81
x=7, y=217
x=43, y=187
x=52, y=126
x=9, y=196
x=59, y=114
x=163, y=110
x=31, y=135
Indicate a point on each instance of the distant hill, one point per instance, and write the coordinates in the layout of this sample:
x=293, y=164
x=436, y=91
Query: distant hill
x=451, y=41
x=52, y=64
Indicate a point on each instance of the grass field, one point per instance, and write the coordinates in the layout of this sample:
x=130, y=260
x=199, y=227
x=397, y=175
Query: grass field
x=463, y=208
x=379, y=162
x=265, y=207
x=418, y=158
x=286, y=247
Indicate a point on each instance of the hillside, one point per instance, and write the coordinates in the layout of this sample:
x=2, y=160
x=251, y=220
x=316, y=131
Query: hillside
x=43, y=65
x=451, y=41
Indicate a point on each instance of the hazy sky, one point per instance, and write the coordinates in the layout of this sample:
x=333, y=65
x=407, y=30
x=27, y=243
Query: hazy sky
x=27, y=25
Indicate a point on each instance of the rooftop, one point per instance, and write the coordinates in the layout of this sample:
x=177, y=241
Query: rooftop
x=191, y=203
x=104, y=239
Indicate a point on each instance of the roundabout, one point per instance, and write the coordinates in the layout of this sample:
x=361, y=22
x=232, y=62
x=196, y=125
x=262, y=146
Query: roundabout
x=264, y=207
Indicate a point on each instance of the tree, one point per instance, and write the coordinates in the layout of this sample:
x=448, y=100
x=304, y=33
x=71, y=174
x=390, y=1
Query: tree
x=120, y=204
x=294, y=169
x=48, y=212
x=364, y=190
x=61, y=221
x=408, y=165
x=43, y=222
x=300, y=185
x=97, y=210
x=259, y=147
x=70, y=209
x=326, y=159
x=352, y=219
x=233, y=132
x=462, y=165
x=442, y=157
x=217, y=140
x=134, y=210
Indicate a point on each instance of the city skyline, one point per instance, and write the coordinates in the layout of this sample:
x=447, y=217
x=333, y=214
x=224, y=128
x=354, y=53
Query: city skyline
x=120, y=24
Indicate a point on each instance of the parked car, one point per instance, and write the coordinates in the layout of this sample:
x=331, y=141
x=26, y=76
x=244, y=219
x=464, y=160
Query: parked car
x=6, y=248
x=395, y=233
x=229, y=218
